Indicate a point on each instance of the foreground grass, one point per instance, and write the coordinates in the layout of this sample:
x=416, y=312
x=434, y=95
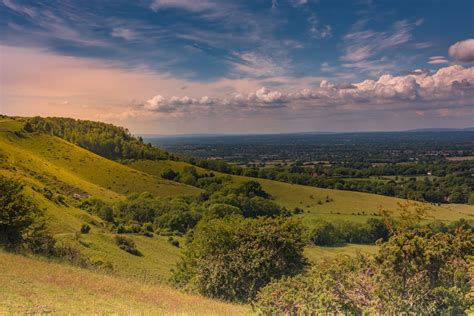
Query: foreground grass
x=31, y=286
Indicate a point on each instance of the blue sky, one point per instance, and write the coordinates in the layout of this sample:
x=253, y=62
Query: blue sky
x=256, y=66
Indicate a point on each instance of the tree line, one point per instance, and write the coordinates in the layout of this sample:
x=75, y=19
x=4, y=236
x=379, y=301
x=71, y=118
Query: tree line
x=103, y=139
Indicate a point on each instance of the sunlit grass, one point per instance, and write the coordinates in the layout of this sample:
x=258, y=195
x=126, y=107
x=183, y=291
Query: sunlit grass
x=30, y=286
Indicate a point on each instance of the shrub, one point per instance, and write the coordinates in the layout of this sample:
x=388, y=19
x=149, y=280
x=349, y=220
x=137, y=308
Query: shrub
x=339, y=232
x=258, y=206
x=232, y=258
x=100, y=263
x=177, y=220
x=99, y=208
x=297, y=210
x=417, y=271
x=85, y=229
x=325, y=234
x=173, y=241
x=148, y=234
x=127, y=245
x=22, y=223
x=71, y=254
x=221, y=210
x=252, y=189
x=169, y=174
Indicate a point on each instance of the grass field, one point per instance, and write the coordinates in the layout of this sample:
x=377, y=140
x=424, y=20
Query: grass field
x=32, y=286
x=316, y=253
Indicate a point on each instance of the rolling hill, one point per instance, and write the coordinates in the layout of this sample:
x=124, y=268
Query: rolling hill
x=48, y=163
x=59, y=174
x=346, y=205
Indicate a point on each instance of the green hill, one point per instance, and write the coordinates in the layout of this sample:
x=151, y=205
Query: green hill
x=48, y=163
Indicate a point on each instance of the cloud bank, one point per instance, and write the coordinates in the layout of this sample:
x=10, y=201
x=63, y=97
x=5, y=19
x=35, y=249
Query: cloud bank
x=452, y=86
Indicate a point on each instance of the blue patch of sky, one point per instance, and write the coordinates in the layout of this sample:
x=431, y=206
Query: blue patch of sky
x=205, y=44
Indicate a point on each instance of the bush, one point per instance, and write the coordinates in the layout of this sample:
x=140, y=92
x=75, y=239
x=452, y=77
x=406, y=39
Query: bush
x=148, y=234
x=417, y=271
x=127, y=245
x=325, y=234
x=22, y=223
x=169, y=174
x=221, y=210
x=177, y=220
x=340, y=232
x=258, y=206
x=173, y=241
x=99, y=208
x=85, y=229
x=232, y=258
x=252, y=189
x=70, y=253
x=100, y=263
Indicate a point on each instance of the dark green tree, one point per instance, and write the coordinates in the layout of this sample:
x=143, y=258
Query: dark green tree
x=21, y=221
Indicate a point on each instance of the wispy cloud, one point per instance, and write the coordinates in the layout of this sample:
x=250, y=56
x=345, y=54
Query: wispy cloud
x=259, y=66
x=124, y=33
x=422, y=45
x=362, y=44
x=190, y=5
x=318, y=30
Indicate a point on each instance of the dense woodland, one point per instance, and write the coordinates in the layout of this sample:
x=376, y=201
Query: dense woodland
x=103, y=139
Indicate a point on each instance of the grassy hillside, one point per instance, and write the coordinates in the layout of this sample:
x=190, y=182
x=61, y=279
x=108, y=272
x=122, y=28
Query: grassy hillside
x=346, y=205
x=35, y=287
x=38, y=152
x=46, y=162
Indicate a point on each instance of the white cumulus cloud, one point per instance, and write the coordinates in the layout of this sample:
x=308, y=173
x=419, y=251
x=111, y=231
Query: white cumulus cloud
x=449, y=85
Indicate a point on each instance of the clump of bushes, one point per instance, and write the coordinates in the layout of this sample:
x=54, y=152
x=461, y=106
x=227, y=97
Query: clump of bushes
x=332, y=234
x=99, y=208
x=416, y=272
x=127, y=245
